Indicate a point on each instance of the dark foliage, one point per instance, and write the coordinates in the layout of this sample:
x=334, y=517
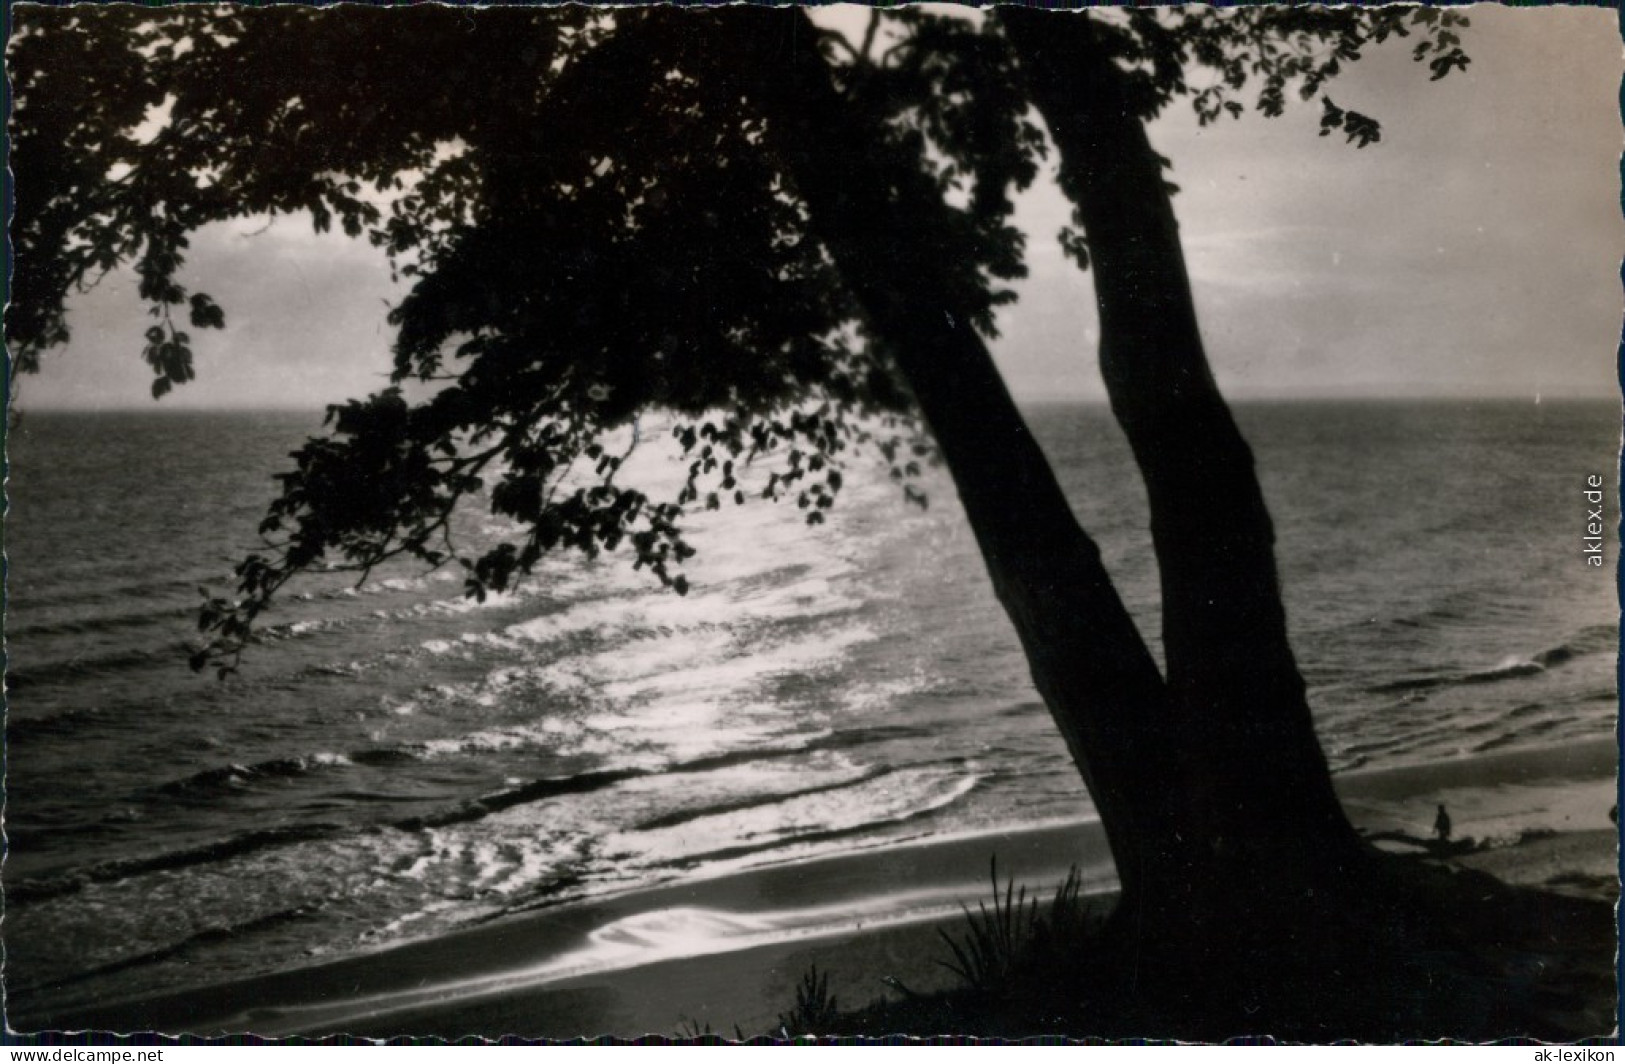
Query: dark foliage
x=594, y=227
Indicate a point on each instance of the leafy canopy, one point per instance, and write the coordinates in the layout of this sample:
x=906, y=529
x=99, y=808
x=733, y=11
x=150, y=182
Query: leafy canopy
x=593, y=225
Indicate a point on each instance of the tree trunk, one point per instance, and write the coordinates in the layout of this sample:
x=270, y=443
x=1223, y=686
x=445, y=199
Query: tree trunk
x=1252, y=772
x=1247, y=894
x=1212, y=788
x=1088, y=661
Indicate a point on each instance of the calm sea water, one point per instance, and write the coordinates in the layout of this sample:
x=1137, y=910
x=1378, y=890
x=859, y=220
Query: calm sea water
x=394, y=760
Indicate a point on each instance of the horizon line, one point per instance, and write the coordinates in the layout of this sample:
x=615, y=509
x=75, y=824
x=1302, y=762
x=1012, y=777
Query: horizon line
x=154, y=407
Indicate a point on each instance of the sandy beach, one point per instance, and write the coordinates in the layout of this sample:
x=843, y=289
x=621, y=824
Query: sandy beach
x=724, y=953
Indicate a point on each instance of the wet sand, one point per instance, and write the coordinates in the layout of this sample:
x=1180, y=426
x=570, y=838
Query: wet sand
x=725, y=952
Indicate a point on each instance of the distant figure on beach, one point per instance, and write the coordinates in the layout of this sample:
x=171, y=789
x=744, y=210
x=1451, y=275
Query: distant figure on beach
x=1441, y=824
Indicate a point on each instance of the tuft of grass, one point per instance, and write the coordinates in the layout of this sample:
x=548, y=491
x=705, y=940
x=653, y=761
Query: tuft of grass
x=691, y=1030
x=993, y=942
x=1069, y=920
x=1017, y=943
x=815, y=1009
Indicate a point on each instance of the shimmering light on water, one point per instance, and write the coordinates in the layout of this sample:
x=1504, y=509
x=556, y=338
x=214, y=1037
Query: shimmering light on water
x=394, y=760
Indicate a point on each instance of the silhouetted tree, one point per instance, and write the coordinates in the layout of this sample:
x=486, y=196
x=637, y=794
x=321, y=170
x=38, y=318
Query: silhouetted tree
x=796, y=242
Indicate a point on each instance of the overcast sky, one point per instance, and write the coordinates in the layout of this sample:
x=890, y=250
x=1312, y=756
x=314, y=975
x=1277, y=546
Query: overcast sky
x=1474, y=251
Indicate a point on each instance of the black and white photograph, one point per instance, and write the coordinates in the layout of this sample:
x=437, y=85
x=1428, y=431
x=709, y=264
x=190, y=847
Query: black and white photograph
x=813, y=523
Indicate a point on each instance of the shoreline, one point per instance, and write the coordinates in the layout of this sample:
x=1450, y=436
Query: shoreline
x=770, y=905
x=745, y=993
x=729, y=947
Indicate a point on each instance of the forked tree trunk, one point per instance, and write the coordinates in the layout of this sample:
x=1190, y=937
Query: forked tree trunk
x=1212, y=788
x=1088, y=661
x=1251, y=770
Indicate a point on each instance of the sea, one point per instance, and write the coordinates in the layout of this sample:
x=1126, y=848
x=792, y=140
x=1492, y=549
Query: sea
x=394, y=760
